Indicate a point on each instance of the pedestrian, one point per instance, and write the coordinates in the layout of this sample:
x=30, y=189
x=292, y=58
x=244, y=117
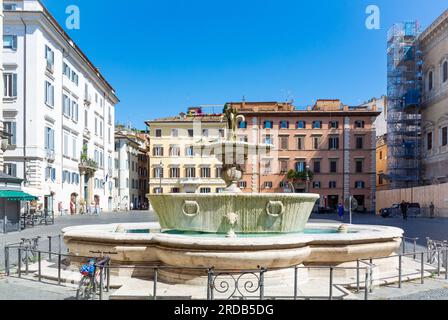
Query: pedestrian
x=431, y=210
x=341, y=211
x=404, y=210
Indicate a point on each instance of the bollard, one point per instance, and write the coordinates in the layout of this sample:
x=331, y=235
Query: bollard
x=154, y=292
x=331, y=283
x=49, y=248
x=446, y=264
x=415, y=248
x=59, y=268
x=101, y=283
x=422, y=266
x=39, y=269
x=212, y=293
x=371, y=276
x=403, y=241
x=295, y=283
x=59, y=243
x=108, y=278
x=438, y=262
x=19, y=261
x=357, y=275
x=262, y=271
x=399, y=271
x=26, y=260
x=7, y=260
x=366, y=284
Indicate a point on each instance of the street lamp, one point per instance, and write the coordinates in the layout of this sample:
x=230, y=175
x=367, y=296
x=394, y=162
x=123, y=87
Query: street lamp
x=307, y=178
x=160, y=176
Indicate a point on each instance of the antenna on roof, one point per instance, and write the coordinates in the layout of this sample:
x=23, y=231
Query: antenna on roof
x=244, y=98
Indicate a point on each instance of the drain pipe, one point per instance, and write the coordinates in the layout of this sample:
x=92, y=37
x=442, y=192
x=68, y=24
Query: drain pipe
x=25, y=180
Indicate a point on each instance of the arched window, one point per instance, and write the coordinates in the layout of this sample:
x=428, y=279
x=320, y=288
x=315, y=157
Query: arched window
x=445, y=71
x=430, y=80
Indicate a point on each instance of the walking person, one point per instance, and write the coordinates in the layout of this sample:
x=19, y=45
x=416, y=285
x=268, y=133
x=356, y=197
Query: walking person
x=431, y=210
x=341, y=211
x=404, y=210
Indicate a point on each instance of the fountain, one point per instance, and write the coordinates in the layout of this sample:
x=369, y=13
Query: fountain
x=233, y=230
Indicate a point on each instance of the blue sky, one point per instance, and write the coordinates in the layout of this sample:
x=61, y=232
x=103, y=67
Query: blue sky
x=163, y=56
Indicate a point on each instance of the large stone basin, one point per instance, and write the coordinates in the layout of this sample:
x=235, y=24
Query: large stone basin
x=255, y=213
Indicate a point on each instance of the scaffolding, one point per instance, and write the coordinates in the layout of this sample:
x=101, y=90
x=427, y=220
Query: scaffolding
x=404, y=81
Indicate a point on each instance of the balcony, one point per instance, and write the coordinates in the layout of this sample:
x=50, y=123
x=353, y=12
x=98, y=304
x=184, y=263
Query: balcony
x=49, y=154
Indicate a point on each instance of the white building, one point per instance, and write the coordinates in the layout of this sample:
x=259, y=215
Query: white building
x=56, y=106
x=131, y=170
x=381, y=121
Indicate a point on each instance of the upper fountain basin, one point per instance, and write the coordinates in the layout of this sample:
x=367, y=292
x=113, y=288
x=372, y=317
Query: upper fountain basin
x=243, y=213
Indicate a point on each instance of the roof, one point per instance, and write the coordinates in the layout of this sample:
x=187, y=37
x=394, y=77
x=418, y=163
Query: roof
x=187, y=118
x=8, y=178
x=437, y=23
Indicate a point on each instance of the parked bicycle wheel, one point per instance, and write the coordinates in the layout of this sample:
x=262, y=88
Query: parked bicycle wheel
x=85, y=289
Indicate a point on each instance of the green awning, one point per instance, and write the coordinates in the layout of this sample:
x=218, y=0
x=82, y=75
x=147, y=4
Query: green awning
x=16, y=195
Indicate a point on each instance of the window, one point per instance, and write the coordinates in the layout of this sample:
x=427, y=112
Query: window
x=333, y=125
x=158, y=151
x=75, y=153
x=445, y=72
x=175, y=190
x=284, y=124
x=333, y=166
x=300, y=143
x=268, y=125
x=86, y=118
x=158, y=133
x=190, y=172
x=50, y=174
x=284, y=143
x=174, y=172
x=268, y=139
x=174, y=133
x=49, y=57
x=205, y=132
x=283, y=166
x=359, y=165
x=49, y=139
x=430, y=80
x=74, y=113
x=242, y=125
x=10, y=128
x=74, y=77
x=267, y=166
x=333, y=143
x=158, y=172
x=189, y=151
x=221, y=133
x=444, y=136
x=9, y=7
x=317, y=124
x=243, y=138
x=242, y=184
x=316, y=167
x=49, y=94
x=205, y=190
x=10, y=42
x=158, y=190
x=218, y=172
x=66, y=145
x=205, y=172
x=360, y=185
x=300, y=166
x=359, y=124
x=301, y=125
x=10, y=85
x=316, y=184
x=381, y=155
x=219, y=190
x=66, y=105
x=359, y=142
x=380, y=179
x=190, y=133
x=316, y=143
x=268, y=184
x=174, y=151
x=332, y=185
x=429, y=141
x=66, y=70
x=101, y=128
x=10, y=169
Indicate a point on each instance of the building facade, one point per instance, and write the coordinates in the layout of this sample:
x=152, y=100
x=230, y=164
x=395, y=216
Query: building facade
x=175, y=163
x=131, y=170
x=434, y=45
x=381, y=163
x=59, y=111
x=333, y=141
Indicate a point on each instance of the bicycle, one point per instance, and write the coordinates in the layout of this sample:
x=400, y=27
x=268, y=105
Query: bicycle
x=31, y=247
x=91, y=276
